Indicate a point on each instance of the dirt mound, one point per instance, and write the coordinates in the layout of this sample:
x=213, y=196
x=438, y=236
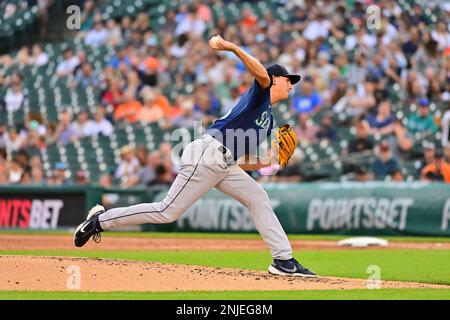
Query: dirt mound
x=57, y=242
x=57, y=274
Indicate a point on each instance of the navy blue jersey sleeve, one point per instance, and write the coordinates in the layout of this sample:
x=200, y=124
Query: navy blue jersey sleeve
x=256, y=96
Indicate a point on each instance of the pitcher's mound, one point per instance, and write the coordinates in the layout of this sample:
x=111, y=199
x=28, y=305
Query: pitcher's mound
x=63, y=273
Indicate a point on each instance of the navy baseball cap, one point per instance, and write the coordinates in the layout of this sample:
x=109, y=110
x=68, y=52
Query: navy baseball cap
x=280, y=71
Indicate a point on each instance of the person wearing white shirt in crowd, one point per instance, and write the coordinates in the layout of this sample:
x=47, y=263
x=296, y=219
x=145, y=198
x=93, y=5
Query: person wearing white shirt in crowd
x=441, y=35
x=14, y=98
x=190, y=24
x=102, y=125
x=39, y=58
x=14, y=141
x=98, y=36
x=68, y=65
x=318, y=28
x=83, y=126
x=129, y=169
x=360, y=39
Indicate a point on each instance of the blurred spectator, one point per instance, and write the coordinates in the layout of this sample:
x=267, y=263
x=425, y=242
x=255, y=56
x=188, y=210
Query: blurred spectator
x=114, y=33
x=438, y=170
x=81, y=178
x=163, y=177
x=35, y=131
x=148, y=71
x=308, y=100
x=410, y=46
x=38, y=58
x=37, y=175
x=68, y=64
x=14, y=98
x=15, y=172
x=426, y=55
x=422, y=122
x=83, y=126
x=65, y=132
x=206, y=105
x=23, y=57
x=151, y=111
x=128, y=170
x=441, y=35
x=97, y=36
x=358, y=99
x=85, y=77
x=113, y=95
x=306, y=129
x=326, y=128
x=318, y=27
x=87, y=15
x=361, y=39
x=401, y=139
x=121, y=58
x=384, y=164
x=128, y=110
x=108, y=198
x=383, y=121
x=165, y=148
x=148, y=174
x=202, y=11
x=361, y=142
x=428, y=155
x=190, y=23
x=362, y=174
x=59, y=175
x=14, y=141
x=397, y=176
x=186, y=119
x=102, y=125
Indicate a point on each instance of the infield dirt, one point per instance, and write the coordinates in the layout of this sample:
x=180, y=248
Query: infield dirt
x=100, y=275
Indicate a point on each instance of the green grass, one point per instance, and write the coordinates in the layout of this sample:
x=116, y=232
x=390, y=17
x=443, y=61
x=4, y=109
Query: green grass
x=221, y=235
x=382, y=294
x=404, y=265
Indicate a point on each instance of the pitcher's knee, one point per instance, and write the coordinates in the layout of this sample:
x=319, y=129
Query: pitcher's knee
x=170, y=217
x=171, y=214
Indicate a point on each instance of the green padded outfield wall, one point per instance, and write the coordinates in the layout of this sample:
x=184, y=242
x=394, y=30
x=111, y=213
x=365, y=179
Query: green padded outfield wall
x=377, y=208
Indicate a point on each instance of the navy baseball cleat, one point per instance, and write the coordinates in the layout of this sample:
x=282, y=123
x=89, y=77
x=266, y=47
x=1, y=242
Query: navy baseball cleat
x=289, y=267
x=90, y=227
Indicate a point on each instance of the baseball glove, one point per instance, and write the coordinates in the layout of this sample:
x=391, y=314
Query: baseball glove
x=286, y=140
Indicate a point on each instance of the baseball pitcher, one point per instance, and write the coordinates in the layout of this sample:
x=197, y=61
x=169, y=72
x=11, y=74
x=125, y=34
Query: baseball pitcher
x=218, y=160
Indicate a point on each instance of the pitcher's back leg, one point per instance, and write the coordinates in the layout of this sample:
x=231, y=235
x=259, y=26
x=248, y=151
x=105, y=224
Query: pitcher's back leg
x=247, y=191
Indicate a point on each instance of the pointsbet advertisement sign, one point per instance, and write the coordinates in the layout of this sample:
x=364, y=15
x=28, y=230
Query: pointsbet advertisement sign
x=43, y=208
x=377, y=208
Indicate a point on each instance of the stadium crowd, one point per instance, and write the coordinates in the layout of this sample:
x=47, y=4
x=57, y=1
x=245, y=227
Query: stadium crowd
x=408, y=56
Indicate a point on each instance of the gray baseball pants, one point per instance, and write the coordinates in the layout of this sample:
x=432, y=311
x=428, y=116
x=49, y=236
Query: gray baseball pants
x=205, y=165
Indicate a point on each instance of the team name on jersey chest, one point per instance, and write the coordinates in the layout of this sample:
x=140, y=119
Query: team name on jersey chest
x=263, y=121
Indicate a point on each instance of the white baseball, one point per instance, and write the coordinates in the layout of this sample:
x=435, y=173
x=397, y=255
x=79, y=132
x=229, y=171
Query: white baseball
x=214, y=41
